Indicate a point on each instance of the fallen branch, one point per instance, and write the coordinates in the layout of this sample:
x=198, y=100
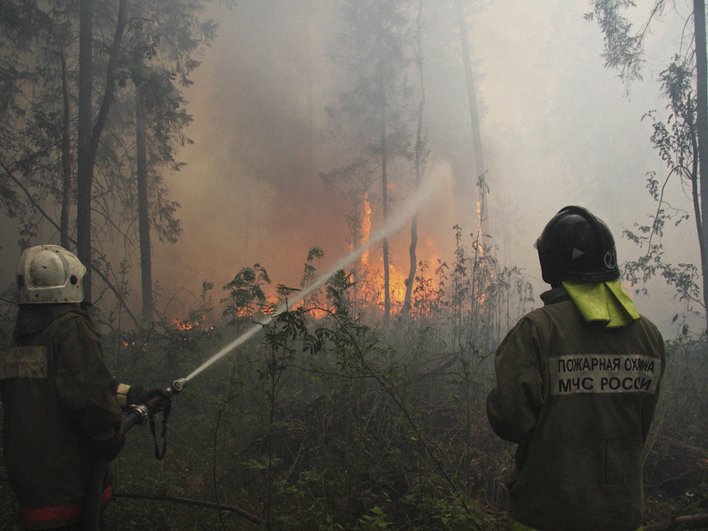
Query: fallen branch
x=198, y=503
x=693, y=521
x=695, y=455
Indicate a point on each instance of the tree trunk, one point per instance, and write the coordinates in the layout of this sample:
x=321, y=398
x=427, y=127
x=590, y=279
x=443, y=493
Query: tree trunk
x=419, y=160
x=65, y=157
x=84, y=178
x=384, y=243
x=474, y=116
x=384, y=198
x=143, y=208
x=310, y=30
x=699, y=17
x=89, y=137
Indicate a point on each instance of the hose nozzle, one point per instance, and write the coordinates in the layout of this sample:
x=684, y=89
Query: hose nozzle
x=139, y=413
x=176, y=386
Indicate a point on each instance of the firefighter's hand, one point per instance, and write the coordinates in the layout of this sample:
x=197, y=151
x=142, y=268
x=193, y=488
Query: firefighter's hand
x=155, y=398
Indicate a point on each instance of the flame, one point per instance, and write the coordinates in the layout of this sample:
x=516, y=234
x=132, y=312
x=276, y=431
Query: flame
x=373, y=285
x=370, y=274
x=424, y=293
x=365, y=229
x=315, y=311
x=478, y=245
x=185, y=325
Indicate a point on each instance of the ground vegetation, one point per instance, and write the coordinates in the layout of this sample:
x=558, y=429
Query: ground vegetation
x=327, y=419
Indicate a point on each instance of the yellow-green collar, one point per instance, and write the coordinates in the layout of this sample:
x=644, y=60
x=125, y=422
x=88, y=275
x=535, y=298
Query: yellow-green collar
x=603, y=301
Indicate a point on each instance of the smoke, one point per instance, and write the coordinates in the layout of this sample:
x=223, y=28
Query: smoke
x=562, y=129
x=557, y=128
x=425, y=193
x=252, y=191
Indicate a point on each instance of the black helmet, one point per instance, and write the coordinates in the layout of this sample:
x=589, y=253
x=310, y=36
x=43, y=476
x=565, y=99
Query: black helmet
x=577, y=246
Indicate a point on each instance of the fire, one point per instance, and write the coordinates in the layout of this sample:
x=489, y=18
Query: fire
x=477, y=244
x=370, y=275
x=185, y=325
x=365, y=229
x=372, y=282
x=315, y=311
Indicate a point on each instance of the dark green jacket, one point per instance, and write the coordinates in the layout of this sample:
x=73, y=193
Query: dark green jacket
x=60, y=412
x=578, y=399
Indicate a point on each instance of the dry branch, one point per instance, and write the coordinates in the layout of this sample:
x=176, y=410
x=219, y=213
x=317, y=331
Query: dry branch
x=198, y=503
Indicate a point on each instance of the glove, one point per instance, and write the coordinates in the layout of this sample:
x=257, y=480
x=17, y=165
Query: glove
x=110, y=448
x=155, y=398
x=140, y=395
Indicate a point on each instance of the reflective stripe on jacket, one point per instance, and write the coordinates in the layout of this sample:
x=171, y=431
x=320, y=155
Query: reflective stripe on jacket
x=68, y=513
x=578, y=399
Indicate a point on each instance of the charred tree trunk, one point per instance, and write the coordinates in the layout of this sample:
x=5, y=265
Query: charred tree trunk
x=699, y=18
x=384, y=198
x=420, y=147
x=143, y=208
x=412, y=268
x=84, y=178
x=65, y=157
x=474, y=116
x=384, y=243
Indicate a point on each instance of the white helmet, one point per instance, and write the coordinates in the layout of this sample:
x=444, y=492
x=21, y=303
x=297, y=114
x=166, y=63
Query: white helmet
x=49, y=274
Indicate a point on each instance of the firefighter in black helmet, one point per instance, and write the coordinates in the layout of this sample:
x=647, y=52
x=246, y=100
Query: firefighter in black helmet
x=577, y=246
x=577, y=384
x=61, y=407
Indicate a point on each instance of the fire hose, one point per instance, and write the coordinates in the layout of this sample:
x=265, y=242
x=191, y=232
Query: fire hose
x=141, y=413
x=138, y=414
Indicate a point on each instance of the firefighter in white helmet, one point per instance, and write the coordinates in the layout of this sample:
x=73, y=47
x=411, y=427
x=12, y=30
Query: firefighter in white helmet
x=62, y=408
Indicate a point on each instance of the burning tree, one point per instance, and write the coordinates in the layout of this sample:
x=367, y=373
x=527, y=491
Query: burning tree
x=373, y=110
